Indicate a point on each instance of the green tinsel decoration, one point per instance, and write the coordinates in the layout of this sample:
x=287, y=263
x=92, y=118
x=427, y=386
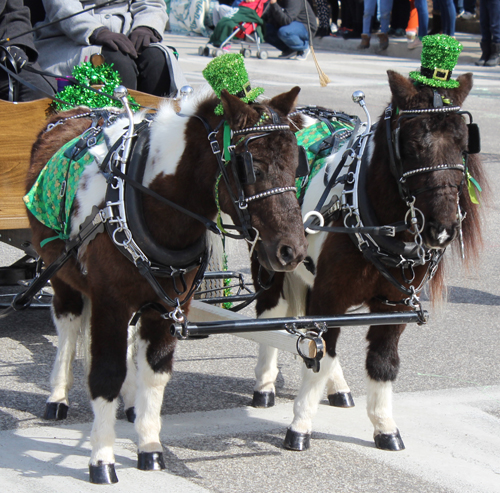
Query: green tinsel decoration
x=103, y=75
x=227, y=290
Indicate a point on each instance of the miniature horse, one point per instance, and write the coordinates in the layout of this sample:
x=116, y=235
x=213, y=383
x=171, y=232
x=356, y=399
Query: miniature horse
x=100, y=289
x=337, y=275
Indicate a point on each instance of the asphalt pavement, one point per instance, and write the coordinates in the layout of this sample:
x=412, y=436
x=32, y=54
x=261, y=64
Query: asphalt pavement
x=447, y=396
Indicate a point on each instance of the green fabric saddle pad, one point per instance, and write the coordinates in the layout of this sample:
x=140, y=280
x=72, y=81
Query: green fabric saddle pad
x=51, y=198
x=320, y=140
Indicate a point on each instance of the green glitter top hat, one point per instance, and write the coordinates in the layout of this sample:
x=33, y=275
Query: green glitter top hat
x=439, y=56
x=228, y=72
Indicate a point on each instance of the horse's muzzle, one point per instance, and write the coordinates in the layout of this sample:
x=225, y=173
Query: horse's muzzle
x=284, y=256
x=439, y=236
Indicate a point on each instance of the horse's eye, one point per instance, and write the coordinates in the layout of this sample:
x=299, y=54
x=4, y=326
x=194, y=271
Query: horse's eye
x=258, y=172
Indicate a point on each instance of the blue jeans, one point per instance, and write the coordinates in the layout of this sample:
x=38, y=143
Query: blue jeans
x=489, y=20
x=448, y=15
x=294, y=36
x=385, y=15
x=423, y=17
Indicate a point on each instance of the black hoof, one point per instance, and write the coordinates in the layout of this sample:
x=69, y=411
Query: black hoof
x=130, y=413
x=389, y=441
x=150, y=461
x=263, y=399
x=297, y=441
x=55, y=411
x=341, y=399
x=102, y=473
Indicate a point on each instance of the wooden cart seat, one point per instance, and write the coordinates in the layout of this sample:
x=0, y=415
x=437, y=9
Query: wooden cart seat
x=20, y=124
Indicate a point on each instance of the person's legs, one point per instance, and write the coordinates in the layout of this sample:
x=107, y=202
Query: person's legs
x=154, y=76
x=448, y=16
x=385, y=15
x=124, y=65
x=295, y=35
x=423, y=17
x=368, y=13
x=273, y=39
x=494, y=14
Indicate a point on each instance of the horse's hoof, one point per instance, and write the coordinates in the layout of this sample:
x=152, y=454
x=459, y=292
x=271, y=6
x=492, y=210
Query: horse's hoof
x=263, y=399
x=295, y=440
x=55, y=411
x=130, y=413
x=102, y=473
x=341, y=399
x=389, y=441
x=150, y=461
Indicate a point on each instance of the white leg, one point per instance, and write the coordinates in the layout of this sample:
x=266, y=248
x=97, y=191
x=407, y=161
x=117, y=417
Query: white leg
x=379, y=407
x=102, y=437
x=68, y=328
x=309, y=396
x=150, y=389
x=266, y=370
x=129, y=387
x=336, y=382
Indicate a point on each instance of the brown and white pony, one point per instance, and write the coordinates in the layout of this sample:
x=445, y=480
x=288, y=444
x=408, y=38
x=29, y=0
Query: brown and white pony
x=99, y=290
x=431, y=144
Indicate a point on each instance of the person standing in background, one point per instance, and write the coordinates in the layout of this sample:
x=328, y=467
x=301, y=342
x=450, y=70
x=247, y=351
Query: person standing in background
x=385, y=18
x=489, y=20
x=448, y=16
x=423, y=23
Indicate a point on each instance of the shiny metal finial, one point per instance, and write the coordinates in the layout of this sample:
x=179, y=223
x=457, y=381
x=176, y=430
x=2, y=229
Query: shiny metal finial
x=120, y=92
x=358, y=96
x=186, y=92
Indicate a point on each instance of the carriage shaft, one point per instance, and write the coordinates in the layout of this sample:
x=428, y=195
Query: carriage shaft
x=307, y=323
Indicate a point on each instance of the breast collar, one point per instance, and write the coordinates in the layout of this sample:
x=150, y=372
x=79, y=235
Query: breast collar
x=136, y=241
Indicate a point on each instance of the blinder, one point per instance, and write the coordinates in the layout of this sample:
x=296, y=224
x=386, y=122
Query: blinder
x=303, y=166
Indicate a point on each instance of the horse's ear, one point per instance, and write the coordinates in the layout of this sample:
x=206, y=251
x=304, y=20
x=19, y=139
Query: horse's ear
x=285, y=102
x=402, y=88
x=459, y=94
x=237, y=112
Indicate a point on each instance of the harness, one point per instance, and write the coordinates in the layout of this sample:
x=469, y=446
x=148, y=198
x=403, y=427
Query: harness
x=378, y=243
x=123, y=215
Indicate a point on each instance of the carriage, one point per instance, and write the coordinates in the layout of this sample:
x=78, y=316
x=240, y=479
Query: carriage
x=384, y=282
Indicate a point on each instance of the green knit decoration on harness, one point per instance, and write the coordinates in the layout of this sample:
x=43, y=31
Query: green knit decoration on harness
x=51, y=198
x=228, y=72
x=440, y=54
x=312, y=139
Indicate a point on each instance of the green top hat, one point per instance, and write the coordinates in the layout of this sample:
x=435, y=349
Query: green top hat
x=439, y=56
x=228, y=72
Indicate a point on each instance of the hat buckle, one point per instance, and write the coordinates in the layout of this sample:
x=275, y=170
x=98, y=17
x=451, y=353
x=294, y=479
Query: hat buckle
x=441, y=74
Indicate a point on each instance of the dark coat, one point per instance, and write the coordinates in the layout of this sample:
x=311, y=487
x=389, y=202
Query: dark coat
x=14, y=20
x=284, y=12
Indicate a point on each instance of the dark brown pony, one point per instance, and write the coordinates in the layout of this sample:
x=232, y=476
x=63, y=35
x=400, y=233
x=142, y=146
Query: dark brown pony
x=415, y=169
x=101, y=288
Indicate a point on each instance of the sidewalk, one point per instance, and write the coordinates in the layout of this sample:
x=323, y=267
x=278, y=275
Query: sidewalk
x=398, y=47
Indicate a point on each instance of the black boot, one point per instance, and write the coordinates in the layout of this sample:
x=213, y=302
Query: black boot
x=485, y=53
x=494, y=58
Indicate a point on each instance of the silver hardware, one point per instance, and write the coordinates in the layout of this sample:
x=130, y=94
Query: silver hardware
x=186, y=92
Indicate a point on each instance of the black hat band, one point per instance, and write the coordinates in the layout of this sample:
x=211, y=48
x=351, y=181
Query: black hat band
x=437, y=73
